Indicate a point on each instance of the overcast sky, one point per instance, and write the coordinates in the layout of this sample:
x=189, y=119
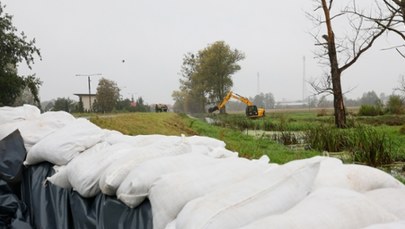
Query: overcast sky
x=152, y=36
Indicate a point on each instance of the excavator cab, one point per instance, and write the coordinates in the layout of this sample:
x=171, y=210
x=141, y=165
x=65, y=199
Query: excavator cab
x=212, y=109
x=251, y=111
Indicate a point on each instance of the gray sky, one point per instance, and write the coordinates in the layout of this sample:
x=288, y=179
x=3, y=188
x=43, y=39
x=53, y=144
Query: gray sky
x=152, y=36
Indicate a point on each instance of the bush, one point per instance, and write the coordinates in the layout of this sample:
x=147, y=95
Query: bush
x=395, y=105
x=402, y=130
x=322, y=112
x=370, y=110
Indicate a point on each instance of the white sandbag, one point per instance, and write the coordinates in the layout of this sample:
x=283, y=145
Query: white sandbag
x=360, y=178
x=114, y=137
x=25, y=112
x=135, y=187
x=64, y=144
x=220, y=152
x=392, y=199
x=171, y=192
x=60, y=177
x=210, y=146
x=393, y=225
x=205, y=141
x=171, y=225
x=241, y=203
x=328, y=208
x=118, y=171
x=84, y=171
x=35, y=129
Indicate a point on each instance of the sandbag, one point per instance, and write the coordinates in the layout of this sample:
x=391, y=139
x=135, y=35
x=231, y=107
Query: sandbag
x=135, y=187
x=60, y=177
x=391, y=199
x=359, y=178
x=171, y=192
x=328, y=208
x=241, y=203
x=205, y=141
x=114, y=137
x=210, y=146
x=393, y=225
x=10, y=114
x=64, y=144
x=117, y=171
x=85, y=170
x=34, y=129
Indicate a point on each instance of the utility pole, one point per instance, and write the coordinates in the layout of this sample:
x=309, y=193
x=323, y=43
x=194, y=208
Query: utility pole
x=88, y=79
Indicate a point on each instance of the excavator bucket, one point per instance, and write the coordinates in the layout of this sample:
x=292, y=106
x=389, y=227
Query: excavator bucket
x=212, y=109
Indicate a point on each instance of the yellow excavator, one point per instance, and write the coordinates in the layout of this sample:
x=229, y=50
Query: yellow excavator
x=251, y=110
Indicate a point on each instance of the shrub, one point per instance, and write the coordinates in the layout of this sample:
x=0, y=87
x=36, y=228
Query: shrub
x=402, y=129
x=322, y=112
x=395, y=105
x=370, y=110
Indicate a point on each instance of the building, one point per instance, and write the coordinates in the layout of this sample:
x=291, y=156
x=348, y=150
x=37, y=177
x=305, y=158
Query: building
x=87, y=101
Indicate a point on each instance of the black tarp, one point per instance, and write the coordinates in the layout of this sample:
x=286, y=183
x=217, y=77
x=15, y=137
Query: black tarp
x=32, y=203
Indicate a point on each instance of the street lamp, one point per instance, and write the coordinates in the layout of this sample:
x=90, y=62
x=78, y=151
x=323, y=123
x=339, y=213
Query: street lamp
x=88, y=78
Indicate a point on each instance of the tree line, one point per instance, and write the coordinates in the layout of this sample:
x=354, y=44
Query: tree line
x=108, y=99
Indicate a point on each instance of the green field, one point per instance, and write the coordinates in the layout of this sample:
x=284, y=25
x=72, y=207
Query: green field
x=236, y=131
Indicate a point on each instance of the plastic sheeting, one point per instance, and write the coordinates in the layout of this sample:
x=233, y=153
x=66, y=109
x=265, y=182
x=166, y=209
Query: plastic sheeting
x=32, y=203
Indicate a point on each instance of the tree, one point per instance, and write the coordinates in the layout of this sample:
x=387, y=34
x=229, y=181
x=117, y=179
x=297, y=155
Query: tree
x=25, y=97
x=396, y=9
x=264, y=100
x=206, y=76
x=15, y=49
x=216, y=65
x=395, y=105
x=64, y=104
x=192, y=85
x=401, y=87
x=370, y=98
x=141, y=106
x=179, y=101
x=342, y=53
x=107, y=95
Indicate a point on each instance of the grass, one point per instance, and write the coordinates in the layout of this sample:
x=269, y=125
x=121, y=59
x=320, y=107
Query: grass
x=144, y=123
x=249, y=146
x=231, y=130
x=176, y=124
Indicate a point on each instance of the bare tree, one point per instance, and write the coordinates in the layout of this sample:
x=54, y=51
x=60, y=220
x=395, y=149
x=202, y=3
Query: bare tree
x=401, y=87
x=393, y=21
x=340, y=53
x=396, y=11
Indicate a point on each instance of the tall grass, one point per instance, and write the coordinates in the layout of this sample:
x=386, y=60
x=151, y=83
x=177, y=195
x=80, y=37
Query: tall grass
x=367, y=144
x=371, y=146
x=327, y=138
x=249, y=146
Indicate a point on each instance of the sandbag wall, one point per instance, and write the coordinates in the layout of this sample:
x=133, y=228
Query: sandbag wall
x=81, y=176
x=26, y=201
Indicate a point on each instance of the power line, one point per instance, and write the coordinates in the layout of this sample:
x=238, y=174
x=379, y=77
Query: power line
x=88, y=79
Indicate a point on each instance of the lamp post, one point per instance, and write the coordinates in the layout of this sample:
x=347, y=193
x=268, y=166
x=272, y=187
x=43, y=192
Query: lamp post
x=88, y=79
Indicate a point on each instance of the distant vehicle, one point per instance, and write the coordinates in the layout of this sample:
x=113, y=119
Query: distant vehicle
x=251, y=110
x=161, y=108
